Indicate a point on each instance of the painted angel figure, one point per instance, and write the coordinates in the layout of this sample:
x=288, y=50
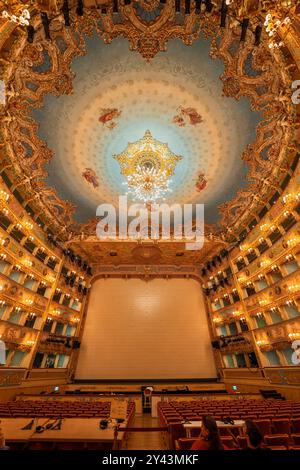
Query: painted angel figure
x=91, y=177
x=187, y=116
x=192, y=114
x=178, y=120
x=201, y=182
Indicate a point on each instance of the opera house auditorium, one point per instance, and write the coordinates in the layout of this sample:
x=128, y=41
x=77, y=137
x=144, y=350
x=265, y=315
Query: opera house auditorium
x=149, y=225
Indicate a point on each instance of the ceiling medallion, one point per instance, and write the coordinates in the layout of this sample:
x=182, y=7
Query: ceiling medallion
x=148, y=166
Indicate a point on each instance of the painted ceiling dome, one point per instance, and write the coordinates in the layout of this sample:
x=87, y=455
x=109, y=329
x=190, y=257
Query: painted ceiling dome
x=217, y=97
x=117, y=97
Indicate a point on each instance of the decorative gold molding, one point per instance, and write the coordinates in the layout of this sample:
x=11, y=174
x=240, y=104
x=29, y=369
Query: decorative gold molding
x=255, y=72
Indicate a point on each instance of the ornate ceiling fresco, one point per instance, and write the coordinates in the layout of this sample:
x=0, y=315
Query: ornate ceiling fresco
x=74, y=102
x=146, y=96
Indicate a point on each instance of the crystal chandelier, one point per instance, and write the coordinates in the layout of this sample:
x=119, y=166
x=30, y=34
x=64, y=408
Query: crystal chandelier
x=148, y=166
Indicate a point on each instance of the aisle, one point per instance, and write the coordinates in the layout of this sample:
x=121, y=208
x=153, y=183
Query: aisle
x=145, y=440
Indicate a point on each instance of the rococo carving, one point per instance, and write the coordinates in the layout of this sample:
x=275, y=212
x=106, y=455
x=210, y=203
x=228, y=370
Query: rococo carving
x=34, y=70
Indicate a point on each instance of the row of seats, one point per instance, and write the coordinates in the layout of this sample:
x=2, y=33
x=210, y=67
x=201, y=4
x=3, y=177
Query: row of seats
x=279, y=422
x=278, y=442
x=65, y=409
x=173, y=412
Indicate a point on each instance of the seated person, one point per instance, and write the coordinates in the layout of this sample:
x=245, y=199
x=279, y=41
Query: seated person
x=254, y=436
x=209, y=438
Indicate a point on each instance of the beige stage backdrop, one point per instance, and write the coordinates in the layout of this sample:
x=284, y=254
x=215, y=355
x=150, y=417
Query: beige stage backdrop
x=146, y=330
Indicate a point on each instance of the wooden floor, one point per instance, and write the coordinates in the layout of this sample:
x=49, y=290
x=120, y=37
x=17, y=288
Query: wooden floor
x=145, y=440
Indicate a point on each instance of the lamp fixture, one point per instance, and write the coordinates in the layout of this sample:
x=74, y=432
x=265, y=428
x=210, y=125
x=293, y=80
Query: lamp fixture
x=147, y=165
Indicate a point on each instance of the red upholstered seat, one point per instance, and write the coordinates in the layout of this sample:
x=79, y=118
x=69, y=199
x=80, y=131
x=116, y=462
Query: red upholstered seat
x=281, y=426
x=184, y=443
x=264, y=426
x=228, y=442
x=296, y=439
x=295, y=424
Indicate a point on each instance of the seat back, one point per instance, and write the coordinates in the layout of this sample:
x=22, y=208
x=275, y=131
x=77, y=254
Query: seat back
x=281, y=426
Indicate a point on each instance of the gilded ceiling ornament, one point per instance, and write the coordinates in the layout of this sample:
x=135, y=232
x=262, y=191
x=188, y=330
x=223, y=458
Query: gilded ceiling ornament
x=147, y=165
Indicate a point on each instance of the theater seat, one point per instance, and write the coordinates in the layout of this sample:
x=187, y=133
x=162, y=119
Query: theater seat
x=228, y=442
x=295, y=423
x=243, y=443
x=277, y=440
x=264, y=425
x=276, y=448
x=296, y=439
x=184, y=443
x=281, y=426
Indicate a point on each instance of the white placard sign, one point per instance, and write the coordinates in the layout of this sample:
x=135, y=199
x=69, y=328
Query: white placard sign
x=118, y=409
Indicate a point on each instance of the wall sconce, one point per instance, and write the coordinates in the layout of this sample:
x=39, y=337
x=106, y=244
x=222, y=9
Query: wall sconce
x=29, y=225
x=4, y=195
x=28, y=263
x=294, y=288
x=291, y=197
x=261, y=343
x=293, y=336
x=274, y=267
x=264, y=263
x=293, y=241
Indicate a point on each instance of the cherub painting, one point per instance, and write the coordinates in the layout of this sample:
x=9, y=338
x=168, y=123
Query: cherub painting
x=90, y=176
x=108, y=115
x=178, y=120
x=187, y=116
x=201, y=182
